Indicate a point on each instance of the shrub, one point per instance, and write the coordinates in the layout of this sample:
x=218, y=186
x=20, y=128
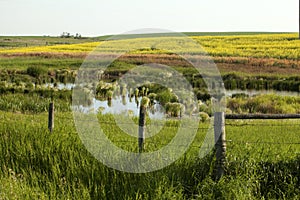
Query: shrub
x=235, y=105
x=203, y=116
x=36, y=71
x=152, y=97
x=166, y=96
x=174, y=109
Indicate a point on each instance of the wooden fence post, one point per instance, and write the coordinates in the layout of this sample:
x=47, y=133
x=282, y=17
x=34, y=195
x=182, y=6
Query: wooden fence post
x=51, y=117
x=220, y=144
x=142, y=122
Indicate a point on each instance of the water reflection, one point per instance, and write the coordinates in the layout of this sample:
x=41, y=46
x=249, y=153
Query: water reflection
x=123, y=105
x=61, y=86
x=229, y=93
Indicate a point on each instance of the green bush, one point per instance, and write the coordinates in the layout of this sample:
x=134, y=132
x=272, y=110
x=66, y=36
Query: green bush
x=267, y=104
x=36, y=71
x=235, y=105
x=203, y=116
x=152, y=97
x=174, y=109
x=166, y=96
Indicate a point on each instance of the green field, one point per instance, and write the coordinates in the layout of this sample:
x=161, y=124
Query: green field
x=9, y=42
x=38, y=165
x=263, y=156
x=27, y=41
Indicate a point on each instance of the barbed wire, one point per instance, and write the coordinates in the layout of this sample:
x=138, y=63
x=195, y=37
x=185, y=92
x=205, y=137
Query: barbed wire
x=156, y=143
x=262, y=142
x=284, y=123
x=260, y=124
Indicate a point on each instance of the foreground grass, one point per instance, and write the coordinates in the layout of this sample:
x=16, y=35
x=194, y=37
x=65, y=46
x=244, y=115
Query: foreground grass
x=38, y=165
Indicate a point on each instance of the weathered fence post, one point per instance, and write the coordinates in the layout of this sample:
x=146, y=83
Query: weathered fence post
x=220, y=144
x=51, y=117
x=142, y=122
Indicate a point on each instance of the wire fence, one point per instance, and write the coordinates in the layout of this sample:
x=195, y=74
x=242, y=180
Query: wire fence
x=260, y=139
x=263, y=142
x=240, y=126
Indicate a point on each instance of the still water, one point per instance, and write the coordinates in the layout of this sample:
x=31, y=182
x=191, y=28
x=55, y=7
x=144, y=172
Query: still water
x=130, y=106
x=125, y=105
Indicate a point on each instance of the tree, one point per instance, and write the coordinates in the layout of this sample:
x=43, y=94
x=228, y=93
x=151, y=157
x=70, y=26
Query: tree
x=77, y=36
x=65, y=35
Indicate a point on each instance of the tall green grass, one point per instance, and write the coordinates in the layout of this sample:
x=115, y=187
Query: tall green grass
x=38, y=165
x=33, y=103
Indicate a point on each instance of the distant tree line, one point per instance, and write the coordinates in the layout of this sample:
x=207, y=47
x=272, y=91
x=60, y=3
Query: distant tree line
x=68, y=35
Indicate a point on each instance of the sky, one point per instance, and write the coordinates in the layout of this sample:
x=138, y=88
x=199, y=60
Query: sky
x=97, y=17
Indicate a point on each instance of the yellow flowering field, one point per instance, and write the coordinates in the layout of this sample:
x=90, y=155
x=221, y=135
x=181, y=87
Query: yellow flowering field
x=279, y=46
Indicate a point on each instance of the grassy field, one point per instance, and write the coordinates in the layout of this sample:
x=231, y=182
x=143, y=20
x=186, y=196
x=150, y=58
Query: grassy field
x=38, y=165
x=9, y=42
x=263, y=156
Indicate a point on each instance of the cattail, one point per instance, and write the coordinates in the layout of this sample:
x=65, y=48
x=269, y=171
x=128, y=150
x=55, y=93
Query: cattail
x=124, y=92
x=109, y=94
x=136, y=92
x=145, y=102
x=143, y=91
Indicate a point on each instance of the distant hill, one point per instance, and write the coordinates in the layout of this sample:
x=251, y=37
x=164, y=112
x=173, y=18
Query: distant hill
x=148, y=35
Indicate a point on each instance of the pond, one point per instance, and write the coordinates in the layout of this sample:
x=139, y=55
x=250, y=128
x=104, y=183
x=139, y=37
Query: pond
x=61, y=86
x=229, y=93
x=125, y=105
x=118, y=104
x=130, y=106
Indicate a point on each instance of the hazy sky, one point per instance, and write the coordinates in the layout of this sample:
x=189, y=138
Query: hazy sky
x=97, y=17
